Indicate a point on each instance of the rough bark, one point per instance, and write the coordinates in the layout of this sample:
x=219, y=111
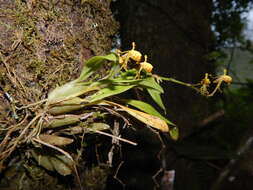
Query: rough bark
x=44, y=44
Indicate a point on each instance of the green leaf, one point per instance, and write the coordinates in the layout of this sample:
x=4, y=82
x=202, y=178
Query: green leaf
x=174, y=133
x=43, y=160
x=62, y=164
x=122, y=81
x=108, y=91
x=147, y=108
x=129, y=74
x=94, y=64
x=154, y=90
x=63, y=121
x=115, y=70
x=156, y=96
x=70, y=90
x=150, y=82
x=98, y=126
x=67, y=106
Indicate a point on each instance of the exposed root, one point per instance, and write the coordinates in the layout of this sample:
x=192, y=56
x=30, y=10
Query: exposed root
x=6, y=153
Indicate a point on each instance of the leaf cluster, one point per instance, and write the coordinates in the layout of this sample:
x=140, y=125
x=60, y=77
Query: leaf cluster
x=78, y=107
x=81, y=93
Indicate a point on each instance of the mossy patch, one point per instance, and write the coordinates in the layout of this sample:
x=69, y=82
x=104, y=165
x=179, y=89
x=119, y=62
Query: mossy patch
x=43, y=44
x=48, y=41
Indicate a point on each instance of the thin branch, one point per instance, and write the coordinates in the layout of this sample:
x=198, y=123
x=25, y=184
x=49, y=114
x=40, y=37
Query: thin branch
x=211, y=118
x=231, y=57
x=115, y=137
x=53, y=147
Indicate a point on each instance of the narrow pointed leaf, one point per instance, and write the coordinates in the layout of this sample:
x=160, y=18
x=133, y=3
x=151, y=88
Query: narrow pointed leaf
x=110, y=90
x=154, y=90
x=147, y=108
x=148, y=119
x=150, y=82
x=156, y=96
x=94, y=64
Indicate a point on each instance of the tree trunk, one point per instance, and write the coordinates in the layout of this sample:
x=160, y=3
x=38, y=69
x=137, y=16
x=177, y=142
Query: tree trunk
x=44, y=44
x=176, y=36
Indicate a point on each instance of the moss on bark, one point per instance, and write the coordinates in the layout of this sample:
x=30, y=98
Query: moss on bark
x=44, y=44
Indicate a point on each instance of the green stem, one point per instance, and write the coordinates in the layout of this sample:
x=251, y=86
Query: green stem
x=179, y=82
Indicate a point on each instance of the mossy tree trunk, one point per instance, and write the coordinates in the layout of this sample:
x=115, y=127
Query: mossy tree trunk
x=43, y=44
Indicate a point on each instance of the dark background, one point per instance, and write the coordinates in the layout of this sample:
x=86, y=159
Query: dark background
x=45, y=44
x=184, y=40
